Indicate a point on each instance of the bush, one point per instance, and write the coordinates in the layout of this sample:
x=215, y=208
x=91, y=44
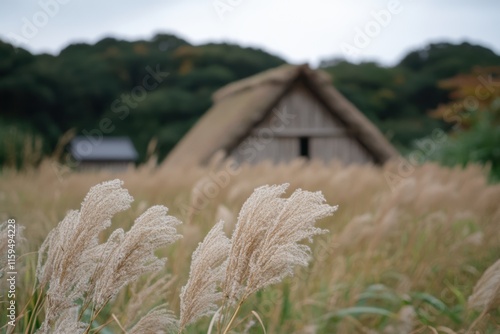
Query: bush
x=480, y=143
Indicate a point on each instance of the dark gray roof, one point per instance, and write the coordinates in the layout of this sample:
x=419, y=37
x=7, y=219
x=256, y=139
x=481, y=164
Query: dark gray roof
x=105, y=149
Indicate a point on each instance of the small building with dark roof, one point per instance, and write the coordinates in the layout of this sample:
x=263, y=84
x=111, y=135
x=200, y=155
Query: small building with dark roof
x=112, y=153
x=281, y=114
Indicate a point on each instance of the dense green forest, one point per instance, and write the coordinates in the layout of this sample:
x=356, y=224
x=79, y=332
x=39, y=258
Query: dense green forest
x=159, y=88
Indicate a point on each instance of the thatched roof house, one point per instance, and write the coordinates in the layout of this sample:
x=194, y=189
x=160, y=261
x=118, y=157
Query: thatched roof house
x=281, y=114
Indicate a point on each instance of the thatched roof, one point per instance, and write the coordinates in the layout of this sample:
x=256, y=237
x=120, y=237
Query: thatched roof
x=240, y=106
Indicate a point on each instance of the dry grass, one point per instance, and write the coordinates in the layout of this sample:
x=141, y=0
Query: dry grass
x=395, y=260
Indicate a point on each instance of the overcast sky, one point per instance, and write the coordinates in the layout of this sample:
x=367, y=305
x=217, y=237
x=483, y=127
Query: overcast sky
x=297, y=30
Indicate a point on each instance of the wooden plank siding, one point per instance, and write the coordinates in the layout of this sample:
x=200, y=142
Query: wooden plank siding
x=344, y=149
x=279, y=141
x=257, y=149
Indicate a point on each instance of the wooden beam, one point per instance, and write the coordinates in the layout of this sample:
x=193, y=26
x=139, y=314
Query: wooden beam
x=303, y=133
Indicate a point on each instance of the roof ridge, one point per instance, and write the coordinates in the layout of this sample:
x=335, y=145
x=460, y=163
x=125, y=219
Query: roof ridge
x=283, y=75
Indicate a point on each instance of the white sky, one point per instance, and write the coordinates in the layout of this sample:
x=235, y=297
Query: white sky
x=297, y=30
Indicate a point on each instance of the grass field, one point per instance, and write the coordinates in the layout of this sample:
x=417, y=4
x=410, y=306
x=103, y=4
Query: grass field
x=399, y=257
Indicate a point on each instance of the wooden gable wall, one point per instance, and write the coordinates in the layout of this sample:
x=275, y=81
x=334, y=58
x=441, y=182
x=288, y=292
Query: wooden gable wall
x=300, y=124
